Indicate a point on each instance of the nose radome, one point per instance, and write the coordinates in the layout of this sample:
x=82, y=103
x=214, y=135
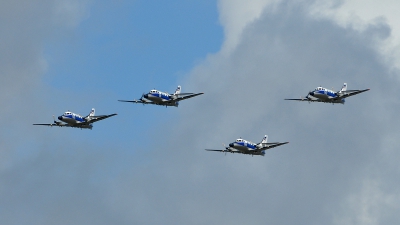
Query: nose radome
x=60, y=117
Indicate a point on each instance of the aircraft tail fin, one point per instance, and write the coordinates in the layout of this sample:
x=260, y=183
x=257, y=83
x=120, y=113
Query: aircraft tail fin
x=178, y=90
x=344, y=88
x=264, y=140
x=91, y=113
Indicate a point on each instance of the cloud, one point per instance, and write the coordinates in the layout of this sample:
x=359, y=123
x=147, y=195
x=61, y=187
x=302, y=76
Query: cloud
x=340, y=162
x=357, y=14
x=333, y=150
x=236, y=15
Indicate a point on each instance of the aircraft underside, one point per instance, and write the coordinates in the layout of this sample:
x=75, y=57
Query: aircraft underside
x=160, y=101
x=247, y=151
x=326, y=99
x=252, y=152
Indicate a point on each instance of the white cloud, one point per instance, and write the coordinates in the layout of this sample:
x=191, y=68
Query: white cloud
x=271, y=55
x=357, y=14
x=235, y=15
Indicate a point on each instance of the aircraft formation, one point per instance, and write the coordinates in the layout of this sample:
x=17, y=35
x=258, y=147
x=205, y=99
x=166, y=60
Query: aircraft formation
x=242, y=146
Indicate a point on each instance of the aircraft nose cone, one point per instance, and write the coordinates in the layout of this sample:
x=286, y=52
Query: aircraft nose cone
x=231, y=145
x=60, y=117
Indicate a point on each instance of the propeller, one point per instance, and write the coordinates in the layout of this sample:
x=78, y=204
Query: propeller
x=57, y=123
x=308, y=96
x=226, y=149
x=54, y=119
x=141, y=98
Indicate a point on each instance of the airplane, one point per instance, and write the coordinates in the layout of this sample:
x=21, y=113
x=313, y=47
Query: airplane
x=71, y=119
x=324, y=95
x=249, y=148
x=156, y=97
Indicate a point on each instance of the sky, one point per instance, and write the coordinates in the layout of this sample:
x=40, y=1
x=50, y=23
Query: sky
x=147, y=165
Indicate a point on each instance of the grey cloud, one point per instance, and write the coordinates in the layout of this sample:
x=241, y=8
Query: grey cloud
x=24, y=27
x=334, y=151
x=337, y=158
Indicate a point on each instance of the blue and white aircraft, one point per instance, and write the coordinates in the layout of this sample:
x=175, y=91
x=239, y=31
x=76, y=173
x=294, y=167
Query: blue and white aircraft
x=162, y=98
x=71, y=119
x=324, y=95
x=249, y=148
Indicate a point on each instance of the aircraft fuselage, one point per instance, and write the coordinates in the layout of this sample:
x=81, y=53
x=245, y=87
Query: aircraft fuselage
x=160, y=98
x=326, y=95
x=246, y=147
x=74, y=120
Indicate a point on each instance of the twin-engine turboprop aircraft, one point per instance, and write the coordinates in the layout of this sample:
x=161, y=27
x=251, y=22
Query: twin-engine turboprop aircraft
x=324, y=95
x=156, y=97
x=249, y=148
x=71, y=119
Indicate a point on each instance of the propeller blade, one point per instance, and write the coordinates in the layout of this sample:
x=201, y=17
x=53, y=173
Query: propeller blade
x=54, y=119
x=141, y=98
x=225, y=150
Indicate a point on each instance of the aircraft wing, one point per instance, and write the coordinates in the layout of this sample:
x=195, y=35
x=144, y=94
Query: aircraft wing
x=352, y=92
x=98, y=118
x=303, y=99
x=182, y=94
x=186, y=96
x=53, y=124
x=272, y=145
x=219, y=150
x=138, y=101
